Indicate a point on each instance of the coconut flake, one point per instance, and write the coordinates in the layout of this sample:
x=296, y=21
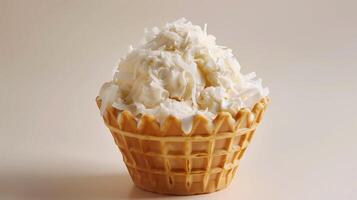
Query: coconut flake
x=171, y=73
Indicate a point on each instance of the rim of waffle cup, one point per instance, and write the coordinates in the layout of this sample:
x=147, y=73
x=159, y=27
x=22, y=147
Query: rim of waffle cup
x=148, y=127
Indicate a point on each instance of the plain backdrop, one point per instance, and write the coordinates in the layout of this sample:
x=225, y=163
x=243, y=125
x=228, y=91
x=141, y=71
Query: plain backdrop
x=54, y=56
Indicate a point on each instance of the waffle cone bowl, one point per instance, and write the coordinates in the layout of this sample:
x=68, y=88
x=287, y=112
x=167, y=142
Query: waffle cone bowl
x=163, y=159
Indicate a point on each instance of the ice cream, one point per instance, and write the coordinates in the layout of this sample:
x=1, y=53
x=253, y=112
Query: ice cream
x=179, y=70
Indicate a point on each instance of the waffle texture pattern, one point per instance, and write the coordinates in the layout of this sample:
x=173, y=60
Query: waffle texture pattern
x=164, y=159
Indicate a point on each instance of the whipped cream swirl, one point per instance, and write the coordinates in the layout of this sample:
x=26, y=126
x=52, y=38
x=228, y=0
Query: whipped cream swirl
x=179, y=70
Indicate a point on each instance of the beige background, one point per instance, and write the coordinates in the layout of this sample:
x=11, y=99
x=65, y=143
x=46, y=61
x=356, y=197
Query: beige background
x=54, y=56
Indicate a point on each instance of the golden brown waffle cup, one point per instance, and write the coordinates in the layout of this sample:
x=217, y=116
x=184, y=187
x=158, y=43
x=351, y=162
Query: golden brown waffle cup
x=163, y=159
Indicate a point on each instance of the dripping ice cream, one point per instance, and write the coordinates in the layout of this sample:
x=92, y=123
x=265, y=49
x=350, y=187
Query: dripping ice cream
x=179, y=70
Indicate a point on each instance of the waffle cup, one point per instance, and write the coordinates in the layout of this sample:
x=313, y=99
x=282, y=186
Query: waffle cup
x=166, y=160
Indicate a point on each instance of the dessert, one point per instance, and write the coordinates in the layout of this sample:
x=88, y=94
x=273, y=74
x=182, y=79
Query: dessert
x=180, y=110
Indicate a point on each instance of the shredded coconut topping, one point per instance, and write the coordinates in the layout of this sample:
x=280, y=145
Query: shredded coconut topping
x=179, y=70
